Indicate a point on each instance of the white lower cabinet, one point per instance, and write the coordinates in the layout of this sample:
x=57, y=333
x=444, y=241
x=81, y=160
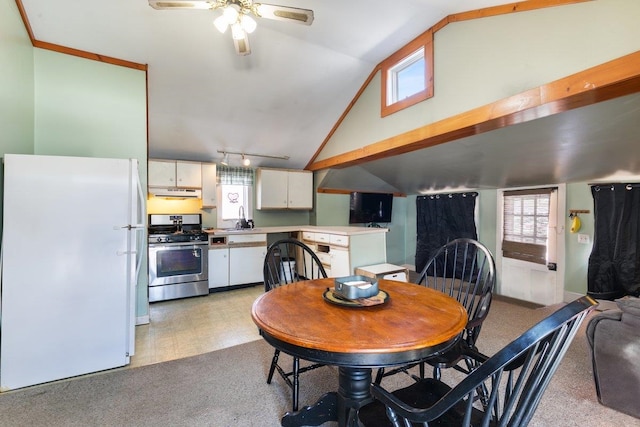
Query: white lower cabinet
x=340, y=266
x=239, y=262
x=340, y=254
x=245, y=265
x=218, y=268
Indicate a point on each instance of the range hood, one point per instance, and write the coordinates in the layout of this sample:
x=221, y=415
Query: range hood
x=175, y=193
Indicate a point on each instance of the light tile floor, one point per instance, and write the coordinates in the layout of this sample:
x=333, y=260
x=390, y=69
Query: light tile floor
x=191, y=326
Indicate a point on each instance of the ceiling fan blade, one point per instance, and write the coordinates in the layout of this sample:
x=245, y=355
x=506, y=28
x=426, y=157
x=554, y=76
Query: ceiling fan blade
x=182, y=4
x=242, y=45
x=284, y=13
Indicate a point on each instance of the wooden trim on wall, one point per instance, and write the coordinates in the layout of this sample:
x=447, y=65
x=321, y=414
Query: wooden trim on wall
x=89, y=55
x=612, y=79
x=25, y=20
x=521, y=6
x=72, y=51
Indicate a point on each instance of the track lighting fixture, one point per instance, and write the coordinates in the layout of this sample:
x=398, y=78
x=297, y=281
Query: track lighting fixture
x=245, y=157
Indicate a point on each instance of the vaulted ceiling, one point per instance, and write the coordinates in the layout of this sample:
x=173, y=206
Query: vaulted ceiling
x=286, y=96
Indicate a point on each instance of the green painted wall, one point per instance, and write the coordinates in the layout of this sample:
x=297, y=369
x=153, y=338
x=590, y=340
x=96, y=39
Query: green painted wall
x=16, y=86
x=57, y=104
x=559, y=41
x=89, y=108
x=577, y=254
x=510, y=54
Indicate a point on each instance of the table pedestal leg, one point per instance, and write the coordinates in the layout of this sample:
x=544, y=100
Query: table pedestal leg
x=353, y=393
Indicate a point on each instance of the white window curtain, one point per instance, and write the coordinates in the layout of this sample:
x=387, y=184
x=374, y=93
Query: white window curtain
x=234, y=175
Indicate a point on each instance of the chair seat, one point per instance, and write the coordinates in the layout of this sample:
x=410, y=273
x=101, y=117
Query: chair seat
x=422, y=395
x=465, y=270
x=504, y=389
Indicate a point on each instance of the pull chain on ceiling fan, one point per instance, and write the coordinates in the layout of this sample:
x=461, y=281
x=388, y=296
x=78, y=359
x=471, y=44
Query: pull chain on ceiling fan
x=237, y=15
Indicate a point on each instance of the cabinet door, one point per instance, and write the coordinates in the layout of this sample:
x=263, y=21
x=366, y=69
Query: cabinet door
x=162, y=173
x=340, y=266
x=208, y=185
x=300, y=194
x=188, y=174
x=218, y=268
x=245, y=265
x=272, y=189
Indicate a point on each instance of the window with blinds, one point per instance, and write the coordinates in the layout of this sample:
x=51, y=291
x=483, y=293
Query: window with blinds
x=526, y=224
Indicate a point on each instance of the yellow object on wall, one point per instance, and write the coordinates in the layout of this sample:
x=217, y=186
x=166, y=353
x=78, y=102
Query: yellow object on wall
x=575, y=224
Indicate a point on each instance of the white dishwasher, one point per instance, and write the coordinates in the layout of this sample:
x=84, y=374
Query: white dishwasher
x=246, y=257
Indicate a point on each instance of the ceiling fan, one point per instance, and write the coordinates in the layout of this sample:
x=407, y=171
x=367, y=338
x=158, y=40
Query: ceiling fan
x=237, y=15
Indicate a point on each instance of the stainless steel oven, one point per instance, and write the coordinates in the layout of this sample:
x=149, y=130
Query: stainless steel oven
x=178, y=257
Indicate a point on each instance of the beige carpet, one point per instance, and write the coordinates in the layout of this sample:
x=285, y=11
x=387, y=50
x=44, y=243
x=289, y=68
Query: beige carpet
x=227, y=388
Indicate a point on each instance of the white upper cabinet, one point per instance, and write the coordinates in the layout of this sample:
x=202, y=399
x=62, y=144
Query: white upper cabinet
x=208, y=185
x=284, y=189
x=171, y=173
x=162, y=173
x=188, y=174
x=300, y=189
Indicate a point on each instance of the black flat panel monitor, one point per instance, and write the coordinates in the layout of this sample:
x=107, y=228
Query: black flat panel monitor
x=370, y=207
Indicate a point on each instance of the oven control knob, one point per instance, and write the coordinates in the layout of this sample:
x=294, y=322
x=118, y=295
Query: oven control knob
x=159, y=239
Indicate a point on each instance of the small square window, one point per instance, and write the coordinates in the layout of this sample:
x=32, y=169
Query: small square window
x=407, y=75
x=406, y=78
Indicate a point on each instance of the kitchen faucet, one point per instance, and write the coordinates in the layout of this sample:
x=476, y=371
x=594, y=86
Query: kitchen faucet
x=242, y=221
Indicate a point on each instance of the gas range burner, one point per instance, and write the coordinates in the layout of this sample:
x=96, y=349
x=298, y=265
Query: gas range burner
x=190, y=236
x=176, y=229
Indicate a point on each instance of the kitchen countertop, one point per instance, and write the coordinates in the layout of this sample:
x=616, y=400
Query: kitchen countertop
x=341, y=230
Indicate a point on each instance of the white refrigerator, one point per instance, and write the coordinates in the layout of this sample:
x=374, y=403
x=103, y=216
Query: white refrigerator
x=73, y=236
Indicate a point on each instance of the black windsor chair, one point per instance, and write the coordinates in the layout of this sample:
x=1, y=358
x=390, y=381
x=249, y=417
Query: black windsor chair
x=288, y=261
x=465, y=270
x=514, y=379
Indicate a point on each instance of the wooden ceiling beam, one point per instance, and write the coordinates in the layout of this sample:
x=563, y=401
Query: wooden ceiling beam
x=610, y=80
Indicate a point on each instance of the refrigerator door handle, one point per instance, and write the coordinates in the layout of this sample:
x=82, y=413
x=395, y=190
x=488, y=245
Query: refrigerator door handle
x=130, y=227
x=120, y=253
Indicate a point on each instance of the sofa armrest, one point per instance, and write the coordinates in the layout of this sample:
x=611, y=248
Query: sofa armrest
x=605, y=315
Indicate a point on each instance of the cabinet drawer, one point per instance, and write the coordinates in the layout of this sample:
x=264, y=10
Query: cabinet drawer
x=400, y=276
x=307, y=235
x=322, y=238
x=339, y=240
x=246, y=238
x=324, y=258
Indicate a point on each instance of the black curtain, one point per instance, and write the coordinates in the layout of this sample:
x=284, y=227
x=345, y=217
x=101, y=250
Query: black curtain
x=440, y=219
x=614, y=263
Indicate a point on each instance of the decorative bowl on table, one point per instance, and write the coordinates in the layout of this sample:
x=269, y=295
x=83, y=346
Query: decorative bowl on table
x=355, y=287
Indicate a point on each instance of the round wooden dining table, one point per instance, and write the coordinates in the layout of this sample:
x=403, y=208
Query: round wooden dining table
x=413, y=323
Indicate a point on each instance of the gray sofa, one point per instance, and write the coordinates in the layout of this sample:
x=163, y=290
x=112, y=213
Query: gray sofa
x=614, y=337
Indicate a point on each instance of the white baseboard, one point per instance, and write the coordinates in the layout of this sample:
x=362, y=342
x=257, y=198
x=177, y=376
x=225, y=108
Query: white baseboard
x=142, y=320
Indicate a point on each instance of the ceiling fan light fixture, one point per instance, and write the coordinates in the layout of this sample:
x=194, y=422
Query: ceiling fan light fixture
x=221, y=24
x=237, y=32
x=239, y=15
x=230, y=14
x=248, y=23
